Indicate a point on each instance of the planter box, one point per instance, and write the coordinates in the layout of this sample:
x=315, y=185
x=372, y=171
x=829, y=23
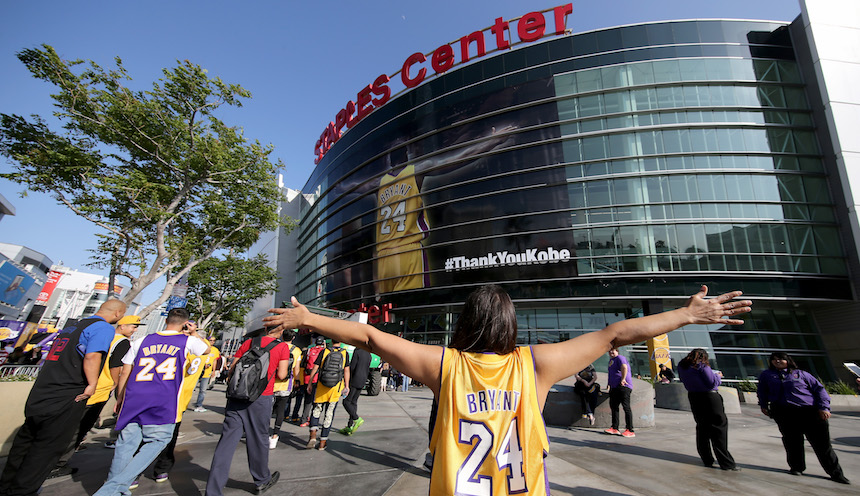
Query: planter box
x=748, y=397
x=564, y=408
x=14, y=396
x=673, y=396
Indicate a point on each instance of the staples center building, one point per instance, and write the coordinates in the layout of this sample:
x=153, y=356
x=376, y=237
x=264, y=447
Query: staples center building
x=599, y=176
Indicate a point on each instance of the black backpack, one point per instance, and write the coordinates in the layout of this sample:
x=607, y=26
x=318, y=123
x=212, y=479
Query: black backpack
x=251, y=373
x=331, y=372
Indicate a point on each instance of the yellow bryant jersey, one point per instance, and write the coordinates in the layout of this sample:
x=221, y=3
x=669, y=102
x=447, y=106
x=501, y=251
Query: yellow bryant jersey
x=401, y=210
x=211, y=358
x=490, y=438
x=105, y=384
x=194, y=366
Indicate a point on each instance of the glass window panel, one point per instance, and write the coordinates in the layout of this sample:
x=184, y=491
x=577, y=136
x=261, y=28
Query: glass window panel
x=619, y=122
x=615, y=102
x=801, y=119
x=598, y=193
x=594, y=169
x=742, y=69
x=589, y=80
x=589, y=105
x=766, y=187
x=642, y=73
x=576, y=195
x=805, y=142
x=593, y=148
x=571, y=150
x=816, y=190
x=719, y=68
x=666, y=71
x=603, y=240
x=755, y=140
x=671, y=141
x=771, y=96
x=795, y=98
x=693, y=69
x=644, y=99
x=614, y=77
x=827, y=241
x=766, y=70
x=834, y=266
x=678, y=188
x=800, y=239
x=788, y=71
x=670, y=97
x=546, y=318
x=791, y=188
x=569, y=318
x=822, y=214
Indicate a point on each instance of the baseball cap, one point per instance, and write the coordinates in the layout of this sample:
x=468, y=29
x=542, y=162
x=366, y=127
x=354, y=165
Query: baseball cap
x=129, y=319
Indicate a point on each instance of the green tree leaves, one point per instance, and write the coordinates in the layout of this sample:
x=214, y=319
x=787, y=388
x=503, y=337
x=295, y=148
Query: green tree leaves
x=169, y=182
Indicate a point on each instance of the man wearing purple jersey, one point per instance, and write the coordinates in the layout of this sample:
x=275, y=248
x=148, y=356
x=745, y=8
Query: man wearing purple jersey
x=148, y=398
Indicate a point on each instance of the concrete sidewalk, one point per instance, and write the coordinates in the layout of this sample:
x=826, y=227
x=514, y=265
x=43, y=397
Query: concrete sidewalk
x=385, y=456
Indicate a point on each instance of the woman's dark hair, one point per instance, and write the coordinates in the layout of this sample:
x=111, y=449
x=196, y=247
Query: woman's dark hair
x=488, y=322
x=781, y=355
x=697, y=356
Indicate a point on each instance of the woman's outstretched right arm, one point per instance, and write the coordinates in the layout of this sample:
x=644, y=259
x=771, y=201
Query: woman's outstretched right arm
x=419, y=361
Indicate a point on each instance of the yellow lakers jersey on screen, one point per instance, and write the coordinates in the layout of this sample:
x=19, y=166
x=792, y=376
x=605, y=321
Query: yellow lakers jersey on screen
x=490, y=437
x=400, y=228
x=401, y=210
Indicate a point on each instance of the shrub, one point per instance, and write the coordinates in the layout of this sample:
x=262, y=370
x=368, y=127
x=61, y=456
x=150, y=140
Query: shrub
x=17, y=378
x=839, y=387
x=747, y=386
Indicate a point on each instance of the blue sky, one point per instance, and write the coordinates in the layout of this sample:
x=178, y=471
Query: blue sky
x=302, y=61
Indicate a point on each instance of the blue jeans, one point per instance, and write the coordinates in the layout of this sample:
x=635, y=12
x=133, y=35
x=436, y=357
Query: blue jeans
x=204, y=381
x=127, y=465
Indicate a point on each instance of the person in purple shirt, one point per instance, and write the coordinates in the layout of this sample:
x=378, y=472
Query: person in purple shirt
x=620, y=388
x=712, y=426
x=800, y=406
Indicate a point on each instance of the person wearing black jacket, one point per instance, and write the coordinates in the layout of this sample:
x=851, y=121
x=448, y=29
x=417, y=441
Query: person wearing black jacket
x=359, y=368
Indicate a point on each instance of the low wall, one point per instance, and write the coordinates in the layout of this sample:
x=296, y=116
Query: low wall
x=849, y=402
x=673, y=396
x=14, y=396
x=564, y=408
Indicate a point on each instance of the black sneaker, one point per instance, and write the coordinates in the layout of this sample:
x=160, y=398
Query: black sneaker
x=840, y=479
x=61, y=471
x=272, y=481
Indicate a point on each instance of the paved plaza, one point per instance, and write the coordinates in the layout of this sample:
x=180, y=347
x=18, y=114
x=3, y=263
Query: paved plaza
x=385, y=457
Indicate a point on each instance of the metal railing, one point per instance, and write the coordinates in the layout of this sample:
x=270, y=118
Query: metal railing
x=19, y=371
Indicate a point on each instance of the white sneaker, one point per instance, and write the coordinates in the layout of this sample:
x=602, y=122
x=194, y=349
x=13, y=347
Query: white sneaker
x=273, y=441
x=200, y=409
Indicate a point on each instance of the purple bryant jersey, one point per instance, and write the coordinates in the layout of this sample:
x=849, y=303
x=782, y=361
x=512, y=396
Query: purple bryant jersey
x=155, y=384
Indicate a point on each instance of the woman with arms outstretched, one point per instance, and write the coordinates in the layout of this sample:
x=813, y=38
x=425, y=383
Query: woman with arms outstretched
x=489, y=436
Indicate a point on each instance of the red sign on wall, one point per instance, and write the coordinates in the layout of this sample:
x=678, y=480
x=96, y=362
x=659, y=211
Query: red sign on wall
x=51, y=284
x=530, y=27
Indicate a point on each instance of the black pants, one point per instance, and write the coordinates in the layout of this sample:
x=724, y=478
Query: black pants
x=588, y=399
x=350, y=404
x=712, y=428
x=309, y=402
x=299, y=395
x=37, y=448
x=797, y=421
x=280, y=405
x=621, y=396
x=91, y=416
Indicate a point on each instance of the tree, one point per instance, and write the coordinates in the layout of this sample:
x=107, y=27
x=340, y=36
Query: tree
x=224, y=289
x=169, y=182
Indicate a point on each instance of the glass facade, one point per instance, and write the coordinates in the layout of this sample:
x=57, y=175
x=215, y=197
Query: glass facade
x=587, y=174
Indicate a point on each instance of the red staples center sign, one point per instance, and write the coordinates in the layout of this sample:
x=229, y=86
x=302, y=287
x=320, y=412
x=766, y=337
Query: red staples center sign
x=530, y=27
